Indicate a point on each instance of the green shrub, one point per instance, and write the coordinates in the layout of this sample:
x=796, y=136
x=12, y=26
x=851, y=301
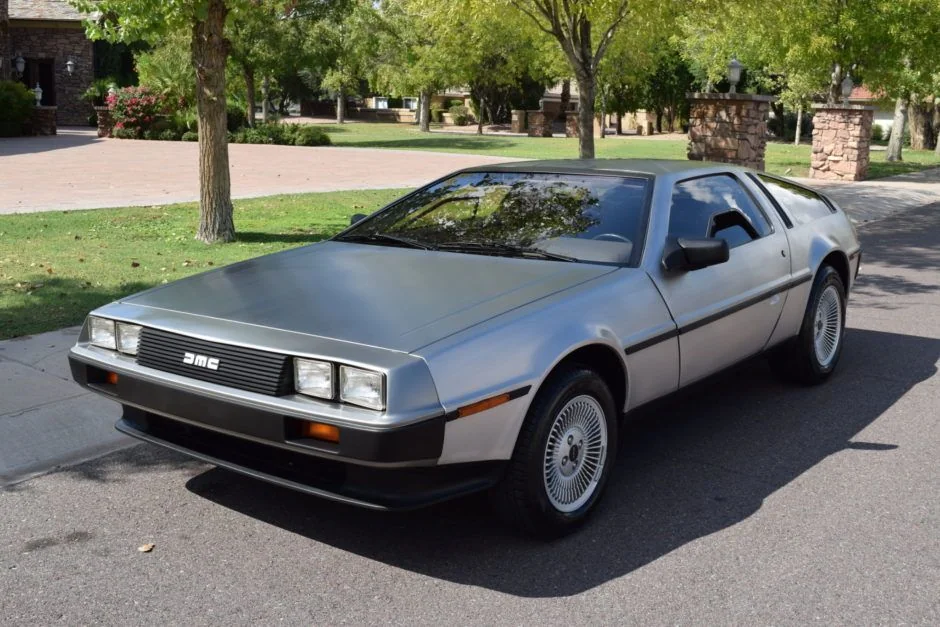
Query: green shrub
x=454, y=102
x=310, y=136
x=125, y=133
x=16, y=106
x=97, y=92
x=877, y=133
x=190, y=136
x=437, y=115
x=235, y=117
x=170, y=135
x=460, y=115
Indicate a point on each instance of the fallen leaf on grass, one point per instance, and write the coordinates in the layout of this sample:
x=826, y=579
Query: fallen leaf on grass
x=146, y=548
x=135, y=264
x=49, y=270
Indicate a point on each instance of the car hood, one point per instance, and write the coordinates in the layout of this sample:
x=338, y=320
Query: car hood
x=393, y=298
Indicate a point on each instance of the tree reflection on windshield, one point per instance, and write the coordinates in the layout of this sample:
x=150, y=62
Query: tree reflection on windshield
x=515, y=209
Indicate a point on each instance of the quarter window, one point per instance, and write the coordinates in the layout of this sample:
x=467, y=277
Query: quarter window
x=696, y=202
x=802, y=204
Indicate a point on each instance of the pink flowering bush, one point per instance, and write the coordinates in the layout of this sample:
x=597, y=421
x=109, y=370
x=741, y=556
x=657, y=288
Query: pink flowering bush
x=135, y=110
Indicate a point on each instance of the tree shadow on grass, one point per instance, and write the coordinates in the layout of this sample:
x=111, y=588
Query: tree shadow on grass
x=59, y=302
x=689, y=466
x=442, y=143
x=300, y=238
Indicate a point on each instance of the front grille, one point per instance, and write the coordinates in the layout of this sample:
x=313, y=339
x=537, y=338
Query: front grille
x=242, y=368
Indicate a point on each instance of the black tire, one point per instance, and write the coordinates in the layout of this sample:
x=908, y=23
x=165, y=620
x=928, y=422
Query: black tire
x=796, y=360
x=521, y=498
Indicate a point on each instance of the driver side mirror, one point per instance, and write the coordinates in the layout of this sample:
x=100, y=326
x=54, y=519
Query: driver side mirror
x=356, y=218
x=684, y=254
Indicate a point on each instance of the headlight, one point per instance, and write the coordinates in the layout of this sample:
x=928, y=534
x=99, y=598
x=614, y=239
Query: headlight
x=362, y=387
x=313, y=378
x=102, y=332
x=128, y=337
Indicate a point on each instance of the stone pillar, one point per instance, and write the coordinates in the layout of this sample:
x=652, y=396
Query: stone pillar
x=571, y=124
x=540, y=125
x=841, y=142
x=729, y=128
x=518, y=121
x=105, y=121
x=42, y=122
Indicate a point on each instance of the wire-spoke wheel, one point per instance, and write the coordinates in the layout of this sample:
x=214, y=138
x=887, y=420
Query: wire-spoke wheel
x=563, y=455
x=575, y=453
x=811, y=356
x=827, y=326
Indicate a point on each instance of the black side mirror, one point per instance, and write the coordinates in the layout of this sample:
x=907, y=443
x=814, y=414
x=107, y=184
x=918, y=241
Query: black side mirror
x=684, y=254
x=356, y=218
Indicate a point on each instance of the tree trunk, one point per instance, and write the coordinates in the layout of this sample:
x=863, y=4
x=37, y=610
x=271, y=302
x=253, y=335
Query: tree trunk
x=897, y=129
x=585, y=116
x=480, y=104
x=265, y=98
x=835, y=85
x=424, y=114
x=919, y=122
x=936, y=126
x=341, y=107
x=565, y=99
x=250, y=92
x=603, y=132
x=209, y=53
x=620, y=122
x=799, y=124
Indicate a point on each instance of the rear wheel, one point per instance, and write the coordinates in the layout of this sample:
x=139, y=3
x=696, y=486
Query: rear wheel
x=812, y=356
x=563, y=455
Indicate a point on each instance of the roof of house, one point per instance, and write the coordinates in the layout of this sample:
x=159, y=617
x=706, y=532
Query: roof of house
x=52, y=10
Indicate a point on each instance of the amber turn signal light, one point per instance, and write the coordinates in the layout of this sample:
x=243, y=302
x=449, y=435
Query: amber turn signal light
x=320, y=431
x=489, y=403
x=111, y=378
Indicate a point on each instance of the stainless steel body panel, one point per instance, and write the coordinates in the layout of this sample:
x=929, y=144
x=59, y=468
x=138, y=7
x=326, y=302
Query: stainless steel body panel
x=448, y=330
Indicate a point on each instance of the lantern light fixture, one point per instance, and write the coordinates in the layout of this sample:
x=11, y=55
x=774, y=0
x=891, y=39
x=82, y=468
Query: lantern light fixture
x=19, y=64
x=70, y=66
x=847, y=86
x=734, y=74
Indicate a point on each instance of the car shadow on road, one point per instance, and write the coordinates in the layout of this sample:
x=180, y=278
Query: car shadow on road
x=689, y=466
x=68, y=138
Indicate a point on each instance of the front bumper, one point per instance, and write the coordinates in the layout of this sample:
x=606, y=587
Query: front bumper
x=392, y=468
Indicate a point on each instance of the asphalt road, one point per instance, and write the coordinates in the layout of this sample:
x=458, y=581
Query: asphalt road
x=741, y=501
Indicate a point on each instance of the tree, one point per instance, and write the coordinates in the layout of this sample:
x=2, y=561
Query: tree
x=134, y=20
x=349, y=42
x=584, y=29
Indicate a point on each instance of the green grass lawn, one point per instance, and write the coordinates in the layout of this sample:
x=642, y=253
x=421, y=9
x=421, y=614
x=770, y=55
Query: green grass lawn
x=56, y=267
x=781, y=158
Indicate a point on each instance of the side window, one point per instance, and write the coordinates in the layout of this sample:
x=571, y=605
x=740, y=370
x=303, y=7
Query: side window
x=802, y=204
x=697, y=201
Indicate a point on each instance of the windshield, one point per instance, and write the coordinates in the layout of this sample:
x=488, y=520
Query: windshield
x=597, y=219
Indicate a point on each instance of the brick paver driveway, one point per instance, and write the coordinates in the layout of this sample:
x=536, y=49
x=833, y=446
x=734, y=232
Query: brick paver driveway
x=76, y=170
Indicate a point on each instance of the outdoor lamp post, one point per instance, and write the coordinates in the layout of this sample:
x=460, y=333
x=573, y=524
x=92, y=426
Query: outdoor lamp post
x=847, y=86
x=734, y=74
x=38, y=93
x=70, y=66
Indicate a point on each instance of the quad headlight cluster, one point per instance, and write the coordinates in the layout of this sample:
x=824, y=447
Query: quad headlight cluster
x=355, y=386
x=116, y=336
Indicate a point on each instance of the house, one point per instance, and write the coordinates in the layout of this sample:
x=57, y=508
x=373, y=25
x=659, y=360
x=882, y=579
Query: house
x=42, y=42
x=884, y=106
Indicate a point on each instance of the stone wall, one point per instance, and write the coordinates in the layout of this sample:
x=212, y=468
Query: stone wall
x=571, y=125
x=518, y=124
x=540, y=125
x=58, y=44
x=841, y=142
x=5, y=52
x=729, y=128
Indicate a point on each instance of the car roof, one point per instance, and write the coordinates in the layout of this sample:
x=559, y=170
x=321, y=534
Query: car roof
x=642, y=167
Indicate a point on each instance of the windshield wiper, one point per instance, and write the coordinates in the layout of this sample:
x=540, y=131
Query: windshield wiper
x=509, y=250
x=378, y=238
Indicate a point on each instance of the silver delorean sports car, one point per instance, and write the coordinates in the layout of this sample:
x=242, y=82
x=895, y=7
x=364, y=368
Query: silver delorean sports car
x=487, y=331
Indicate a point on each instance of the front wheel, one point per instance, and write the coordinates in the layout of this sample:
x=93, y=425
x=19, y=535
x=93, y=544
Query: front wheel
x=812, y=356
x=563, y=456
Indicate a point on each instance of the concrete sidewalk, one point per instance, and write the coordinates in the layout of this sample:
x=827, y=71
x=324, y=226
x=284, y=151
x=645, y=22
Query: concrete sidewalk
x=46, y=420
